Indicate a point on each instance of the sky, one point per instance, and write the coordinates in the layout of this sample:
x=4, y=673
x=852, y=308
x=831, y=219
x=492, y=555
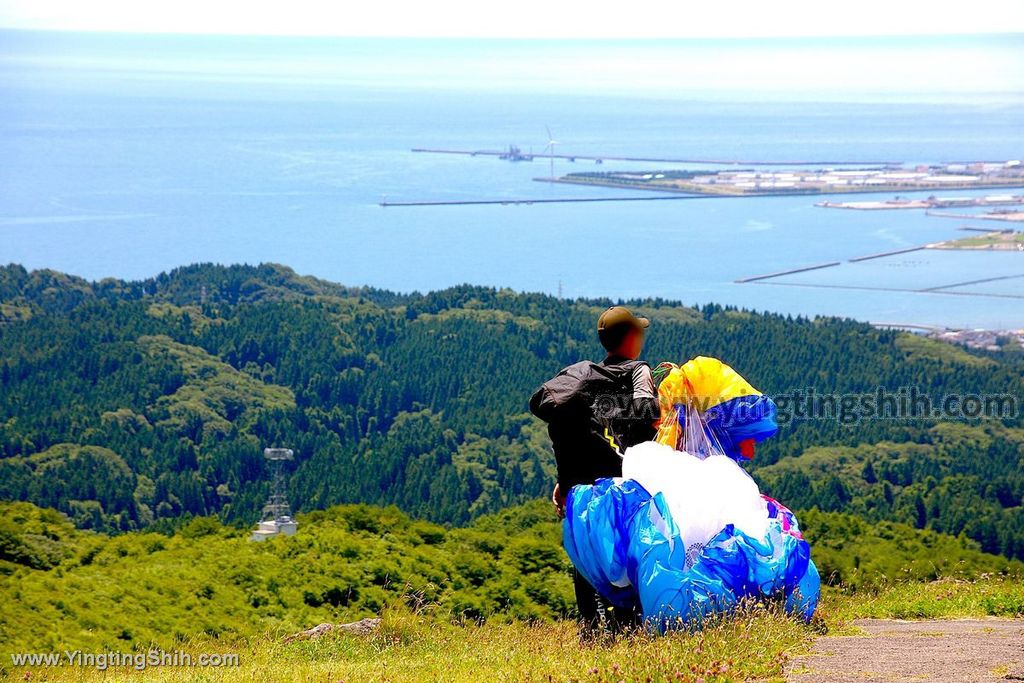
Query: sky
x=523, y=18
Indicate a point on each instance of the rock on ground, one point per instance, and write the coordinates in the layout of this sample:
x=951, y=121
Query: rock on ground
x=953, y=651
x=359, y=628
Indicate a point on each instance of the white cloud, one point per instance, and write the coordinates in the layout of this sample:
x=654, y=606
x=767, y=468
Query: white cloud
x=522, y=19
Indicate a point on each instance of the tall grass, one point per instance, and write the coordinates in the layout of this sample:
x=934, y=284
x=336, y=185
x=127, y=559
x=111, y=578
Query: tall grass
x=752, y=644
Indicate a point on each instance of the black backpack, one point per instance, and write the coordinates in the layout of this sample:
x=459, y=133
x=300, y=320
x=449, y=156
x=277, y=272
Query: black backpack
x=587, y=402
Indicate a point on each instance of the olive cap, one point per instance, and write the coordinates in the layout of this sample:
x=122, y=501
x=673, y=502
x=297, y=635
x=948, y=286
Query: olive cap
x=617, y=316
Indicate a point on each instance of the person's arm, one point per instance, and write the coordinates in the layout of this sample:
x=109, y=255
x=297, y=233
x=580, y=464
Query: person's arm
x=645, y=395
x=558, y=500
x=645, y=410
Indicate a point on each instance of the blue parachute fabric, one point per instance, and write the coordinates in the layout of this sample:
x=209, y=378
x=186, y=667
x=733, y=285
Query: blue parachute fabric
x=670, y=595
x=742, y=418
x=627, y=546
x=802, y=600
x=597, y=540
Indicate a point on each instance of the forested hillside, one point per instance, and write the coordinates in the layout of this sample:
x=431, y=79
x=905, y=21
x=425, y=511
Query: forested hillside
x=959, y=479
x=133, y=404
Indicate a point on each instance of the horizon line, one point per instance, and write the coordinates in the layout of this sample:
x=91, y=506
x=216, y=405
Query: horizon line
x=534, y=38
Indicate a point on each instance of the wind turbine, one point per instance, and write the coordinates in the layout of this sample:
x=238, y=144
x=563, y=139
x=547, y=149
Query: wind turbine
x=551, y=151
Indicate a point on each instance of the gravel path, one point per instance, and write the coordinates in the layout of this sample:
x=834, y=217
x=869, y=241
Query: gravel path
x=954, y=651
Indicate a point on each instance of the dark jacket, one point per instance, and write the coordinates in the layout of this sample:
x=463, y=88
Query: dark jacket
x=594, y=412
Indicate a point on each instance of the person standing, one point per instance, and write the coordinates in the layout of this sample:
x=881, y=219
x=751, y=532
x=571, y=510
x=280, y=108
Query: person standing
x=594, y=412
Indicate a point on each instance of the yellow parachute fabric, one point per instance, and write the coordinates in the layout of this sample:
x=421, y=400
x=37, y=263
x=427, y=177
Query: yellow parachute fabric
x=701, y=383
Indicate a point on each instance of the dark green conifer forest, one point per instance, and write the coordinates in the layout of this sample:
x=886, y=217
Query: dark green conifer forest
x=141, y=405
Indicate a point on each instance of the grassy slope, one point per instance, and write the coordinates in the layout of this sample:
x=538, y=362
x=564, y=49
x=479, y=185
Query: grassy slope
x=414, y=647
x=68, y=588
x=207, y=589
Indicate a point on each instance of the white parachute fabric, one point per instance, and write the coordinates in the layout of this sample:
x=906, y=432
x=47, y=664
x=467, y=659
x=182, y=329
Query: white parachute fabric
x=704, y=495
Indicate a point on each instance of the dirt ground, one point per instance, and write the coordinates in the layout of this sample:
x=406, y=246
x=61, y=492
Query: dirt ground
x=954, y=651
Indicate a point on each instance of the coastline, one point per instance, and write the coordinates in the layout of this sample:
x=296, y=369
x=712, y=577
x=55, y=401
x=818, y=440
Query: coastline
x=695, y=188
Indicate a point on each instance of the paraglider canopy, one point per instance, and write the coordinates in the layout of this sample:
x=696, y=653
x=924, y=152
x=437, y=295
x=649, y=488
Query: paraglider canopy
x=707, y=407
x=686, y=533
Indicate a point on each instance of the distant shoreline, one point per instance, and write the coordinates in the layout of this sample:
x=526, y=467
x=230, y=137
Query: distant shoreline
x=693, y=188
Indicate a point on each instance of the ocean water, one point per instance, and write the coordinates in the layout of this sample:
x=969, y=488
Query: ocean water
x=129, y=155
